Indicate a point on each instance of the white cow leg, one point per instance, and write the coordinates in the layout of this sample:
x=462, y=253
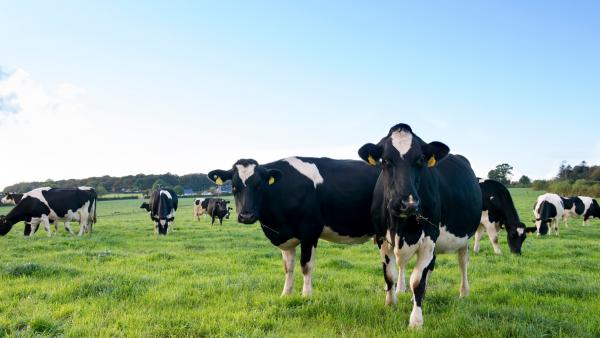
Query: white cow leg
x=46, y=222
x=308, y=253
x=289, y=259
x=403, y=255
x=390, y=274
x=68, y=228
x=555, y=225
x=463, y=261
x=418, y=280
x=478, y=236
x=492, y=230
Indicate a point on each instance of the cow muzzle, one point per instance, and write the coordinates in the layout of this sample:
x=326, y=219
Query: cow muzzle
x=247, y=218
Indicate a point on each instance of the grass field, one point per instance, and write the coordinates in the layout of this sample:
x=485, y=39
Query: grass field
x=226, y=281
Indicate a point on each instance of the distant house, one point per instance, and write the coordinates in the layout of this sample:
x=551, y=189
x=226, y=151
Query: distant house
x=188, y=192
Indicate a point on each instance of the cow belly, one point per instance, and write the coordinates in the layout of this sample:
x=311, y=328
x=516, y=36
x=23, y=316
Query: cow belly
x=330, y=235
x=448, y=242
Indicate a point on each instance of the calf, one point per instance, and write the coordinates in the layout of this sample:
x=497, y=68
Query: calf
x=198, y=209
x=498, y=211
x=299, y=200
x=48, y=205
x=11, y=198
x=218, y=208
x=426, y=201
x=162, y=207
x=549, y=208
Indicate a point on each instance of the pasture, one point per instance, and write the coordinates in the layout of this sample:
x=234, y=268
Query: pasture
x=226, y=281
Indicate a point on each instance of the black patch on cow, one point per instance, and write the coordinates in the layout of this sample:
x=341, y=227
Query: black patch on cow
x=579, y=206
x=593, y=210
x=547, y=212
x=419, y=291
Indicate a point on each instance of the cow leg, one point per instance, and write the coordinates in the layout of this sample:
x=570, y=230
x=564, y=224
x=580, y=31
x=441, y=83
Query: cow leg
x=308, y=251
x=478, y=236
x=566, y=219
x=403, y=255
x=555, y=226
x=46, y=221
x=68, y=228
x=463, y=261
x=289, y=259
x=418, y=280
x=492, y=230
x=390, y=274
x=586, y=221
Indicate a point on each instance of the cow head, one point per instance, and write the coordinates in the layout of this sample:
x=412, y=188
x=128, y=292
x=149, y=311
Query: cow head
x=5, y=225
x=10, y=198
x=145, y=206
x=516, y=235
x=249, y=181
x=404, y=159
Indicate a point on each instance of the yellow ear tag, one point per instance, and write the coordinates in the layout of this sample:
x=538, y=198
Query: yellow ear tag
x=271, y=180
x=219, y=181
x=431, y=161
x=372, y=160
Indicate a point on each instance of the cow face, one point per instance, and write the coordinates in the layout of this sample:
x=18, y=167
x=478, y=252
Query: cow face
x=249, y=182
x=145, y=206
x=405, y=158
x=5, y=225
x=517, y=235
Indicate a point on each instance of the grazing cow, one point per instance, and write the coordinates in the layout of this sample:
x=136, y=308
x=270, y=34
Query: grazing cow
x=162, y=207
x=11, y=198
x=217, y=208
x=580, y=206
x=298, y=200
x=499, y=212
x=426, y=201
x=549, y=208
x=198, y=209
x=48, y=205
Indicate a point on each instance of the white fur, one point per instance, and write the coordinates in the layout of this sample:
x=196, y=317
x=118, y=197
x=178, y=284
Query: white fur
x=166, y=193
x=329, y=235
x=289, y=244
x=307, y=169
x=245, y=172
x=558, y=204
x=307, y=273
x=424, y=257
x=447, y=242
x=402, y=141
x=587, y=202
x=289, y=257
x=492, y=230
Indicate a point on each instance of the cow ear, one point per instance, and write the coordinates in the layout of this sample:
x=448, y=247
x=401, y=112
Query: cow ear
x=530, y=229
x=434, y=152
x=220, y=176
x=370, y=153
x=274, y=176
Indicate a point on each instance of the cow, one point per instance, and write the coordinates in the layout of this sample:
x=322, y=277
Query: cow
x=162, y=206
x=426, y=201
x=498, y=211
x=217, y=208
x=299, y=200
x=11, y=198
x=580, y=206
x=198, y=209
x=49, y=205
x=549, y=208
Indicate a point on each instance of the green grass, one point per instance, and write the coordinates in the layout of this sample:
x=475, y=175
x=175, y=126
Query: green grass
x=225, y=281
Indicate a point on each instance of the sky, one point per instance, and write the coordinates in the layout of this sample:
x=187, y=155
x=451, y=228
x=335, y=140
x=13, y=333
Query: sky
x=118, y=88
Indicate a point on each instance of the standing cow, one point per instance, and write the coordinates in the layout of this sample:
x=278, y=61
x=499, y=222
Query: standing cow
x=199, y=210
x=162, y=207
x=580, y=206
x=217, y=208
x=11, y=198
x=498, y=211
x=48, y=205
x=426, y=201
x=549, y=208
x=299, y=200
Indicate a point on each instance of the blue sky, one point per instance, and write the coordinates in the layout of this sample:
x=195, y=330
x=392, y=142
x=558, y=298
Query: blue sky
x=100, y=88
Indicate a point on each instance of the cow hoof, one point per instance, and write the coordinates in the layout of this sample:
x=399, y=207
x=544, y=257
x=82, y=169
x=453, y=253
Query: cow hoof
x=416, y=319
x=391, y=299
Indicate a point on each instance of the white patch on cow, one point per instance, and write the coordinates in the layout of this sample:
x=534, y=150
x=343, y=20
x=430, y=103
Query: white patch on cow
x=85, y=188
x=555, y=200
x=166, y=193
x=402, y=141
x=520, y=231
x=424, y=256
x=307, y=273
x=329, y=235
x=448, y=242
x=289, y=244
x=244, y=172
x=6, y=200
x=491, y=198
x=288, y=267
x=403, y=255
x=587, y=202
x=492, y=229
x=307, y=169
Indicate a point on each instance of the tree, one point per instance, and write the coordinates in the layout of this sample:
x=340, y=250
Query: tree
x=101, y=190
x=178, y=190
x=502, y=173
x=525, y=181
x=159, y=184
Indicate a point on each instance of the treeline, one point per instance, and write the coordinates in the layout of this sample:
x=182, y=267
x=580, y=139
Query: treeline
x=131, y=183
x=579, y=180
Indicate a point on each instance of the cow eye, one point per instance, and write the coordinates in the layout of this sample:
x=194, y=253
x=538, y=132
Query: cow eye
x=420, y=161
x=385, y=163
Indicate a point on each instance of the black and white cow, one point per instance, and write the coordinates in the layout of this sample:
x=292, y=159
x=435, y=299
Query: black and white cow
x=580, y=206
x=299, y=200
x=49, y=205
x=162, y=207
x=217, y=208
x=498, y=212
x=426, y=201
x=199, y=210
x=11, y=198
x=549, y=208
